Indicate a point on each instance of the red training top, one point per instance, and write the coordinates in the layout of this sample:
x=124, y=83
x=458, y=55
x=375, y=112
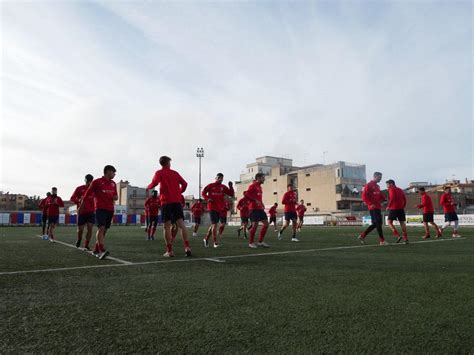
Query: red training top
x=372, y=196
x=426, y=203
x=197, y=209
x=53, y=203
x=77, y=198
x=397, y=199
x=254, y=192
x=301, y=209
x=215, y=191
x=152, y=204
x=104, y=191
x=223, y=212
x=273, y=211
x=289, y=200
x=172, y=185
x=42, y=205
x=243, y=207
x=446, y=200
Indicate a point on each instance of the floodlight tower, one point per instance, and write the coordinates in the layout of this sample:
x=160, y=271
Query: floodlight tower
x=200, y=154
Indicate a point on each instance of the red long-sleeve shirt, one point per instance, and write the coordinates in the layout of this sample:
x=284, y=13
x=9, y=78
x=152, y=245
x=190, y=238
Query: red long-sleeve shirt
x=446, y=200
x=243, y=207
x=53, y=203
x=42, y=205
x=397, y=199
x=214, y=195
x=225, y=209
x=78, y=196
x=172, y=185
x=197, y=209
x=254, y=192
x=301, y=209
x=152, y=204
x=289, y=200
x=104, y=191
x=273, y=211
x=426, y=203
x=372, y=196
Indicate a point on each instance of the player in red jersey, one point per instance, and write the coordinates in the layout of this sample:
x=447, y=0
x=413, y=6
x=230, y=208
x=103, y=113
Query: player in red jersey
x=272, y=212
x=243, y=207
x=53, y=202
x=428, y=213
x=85, y=215
x=44, y=215
x=214, y=195
x=373, y=198
x=197, y=210
x=172, y=185
x=449, y=207
x=300, y=211
x=223, y=217
x=147, y=219
x=104, y=191
x=152, y=204
x=396, y=209
x=289, y=200
x=257, y=211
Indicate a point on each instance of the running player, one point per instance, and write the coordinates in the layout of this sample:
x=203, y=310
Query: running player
x=373, y=198
x=44, y=215
x=243, y=207
x=272, y=212
x=300, y=210
x=104, y=191
x=197, y=209
x=147, y=219
x=214, y=195
x=223, y=217
x=172, y=185
x=428, y=213
x=396, y=209
x=53, y=202
x=85, y=215
x=257, y=211
x=152, y=204
x=449, y=208
x=289, y=200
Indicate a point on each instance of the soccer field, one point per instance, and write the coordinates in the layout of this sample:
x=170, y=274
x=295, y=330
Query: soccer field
x=326, y=293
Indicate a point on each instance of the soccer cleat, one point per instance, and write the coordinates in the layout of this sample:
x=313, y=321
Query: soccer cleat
x=206, y=243
x=78, y=243
x=279, y=236
x=86, y=249
x=456, y=235
x=216, y=245
x=295, y=239
x=252, y=246
x=384, y=243
x=187, y=251
x=152, y=238
x=96, y=253
x=398, y=239
x=168, y=254
x=263, y=245
x=406, y=241
x=426, y=237
x=51, y=240
x=195, y=234
x=103, y=255
x=361, y=239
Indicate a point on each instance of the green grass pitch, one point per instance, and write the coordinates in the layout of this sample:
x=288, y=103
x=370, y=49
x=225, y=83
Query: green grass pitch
x=325, y=294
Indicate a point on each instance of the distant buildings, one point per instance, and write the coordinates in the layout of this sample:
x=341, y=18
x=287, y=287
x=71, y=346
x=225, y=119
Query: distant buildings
x=12, y=202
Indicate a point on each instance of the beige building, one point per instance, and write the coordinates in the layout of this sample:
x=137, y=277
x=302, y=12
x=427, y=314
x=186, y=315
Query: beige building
x=133, y=197
x=332, y=188
x=12, y=202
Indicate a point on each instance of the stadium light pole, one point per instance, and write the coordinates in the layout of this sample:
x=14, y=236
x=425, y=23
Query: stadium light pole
x=200, y=154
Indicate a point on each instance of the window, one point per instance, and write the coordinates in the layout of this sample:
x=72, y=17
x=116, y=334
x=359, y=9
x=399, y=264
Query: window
x=274, y=180
x=134, y=193
x=339, y=189
x=308, y=204
x=308, y=174
x=308, y=189
x=275, y=193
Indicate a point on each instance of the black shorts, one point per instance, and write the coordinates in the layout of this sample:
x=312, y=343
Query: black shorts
x=301, y=218
x=215, y=217
x=153, y=220
x=428, y=217
x=273, y=219
x=258, y=215
x=376, y=216
x=450, y=217
x=394, y=215
x=290, y=216
x=244, y=219
x=86, y=218
x=103, y=218
x=223, y=219
x=197, y=220
x=53, y=219
x=44, y=218
x=172, y=212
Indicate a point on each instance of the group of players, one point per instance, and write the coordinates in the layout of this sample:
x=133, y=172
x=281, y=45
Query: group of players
x=95, y=203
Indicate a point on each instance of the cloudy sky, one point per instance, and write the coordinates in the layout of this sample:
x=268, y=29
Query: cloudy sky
x=85, y=84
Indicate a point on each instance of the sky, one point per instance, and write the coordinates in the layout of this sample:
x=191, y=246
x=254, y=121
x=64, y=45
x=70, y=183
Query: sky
x=388, y=84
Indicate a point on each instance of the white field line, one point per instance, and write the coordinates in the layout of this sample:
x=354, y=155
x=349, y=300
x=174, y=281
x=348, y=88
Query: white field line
x=89, y=252
x=215, y=258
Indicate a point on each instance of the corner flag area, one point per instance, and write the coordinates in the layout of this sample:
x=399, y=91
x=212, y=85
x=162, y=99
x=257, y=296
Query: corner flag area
x=324, y=294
